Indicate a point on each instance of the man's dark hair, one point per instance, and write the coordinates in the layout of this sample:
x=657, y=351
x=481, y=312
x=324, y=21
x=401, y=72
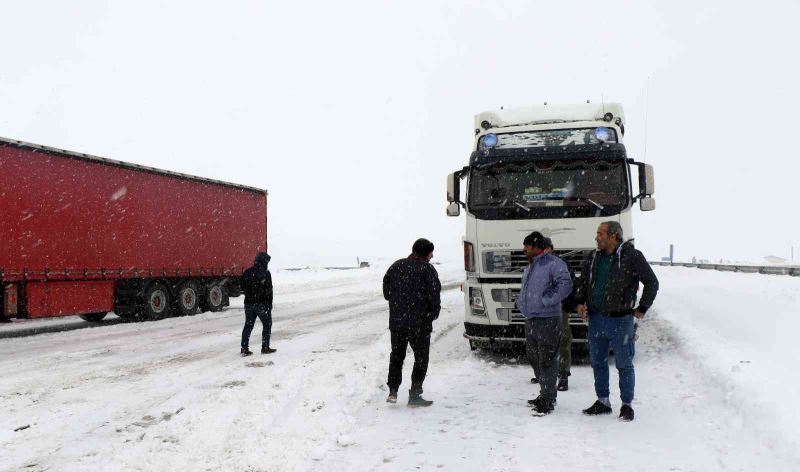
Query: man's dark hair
x=535, y=239
x=548, y=243
x=422, y=247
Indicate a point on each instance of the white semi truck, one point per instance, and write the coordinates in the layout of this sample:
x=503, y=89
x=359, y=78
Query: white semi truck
x=559, y=170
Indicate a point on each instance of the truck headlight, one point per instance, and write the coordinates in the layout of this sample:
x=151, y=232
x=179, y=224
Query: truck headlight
x=476, y=302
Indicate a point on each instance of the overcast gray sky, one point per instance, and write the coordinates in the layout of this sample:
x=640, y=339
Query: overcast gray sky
x=352, y=113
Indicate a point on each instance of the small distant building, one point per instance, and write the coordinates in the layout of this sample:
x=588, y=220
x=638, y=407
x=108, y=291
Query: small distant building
x=774, y=259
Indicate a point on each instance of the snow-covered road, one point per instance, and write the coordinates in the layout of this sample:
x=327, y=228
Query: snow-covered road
x=175, y=395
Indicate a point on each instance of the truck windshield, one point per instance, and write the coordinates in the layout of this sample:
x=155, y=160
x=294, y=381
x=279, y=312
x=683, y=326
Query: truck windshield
x=549, y=189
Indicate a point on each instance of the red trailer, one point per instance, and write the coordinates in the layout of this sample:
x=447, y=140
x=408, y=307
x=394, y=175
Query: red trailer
x=84, y=235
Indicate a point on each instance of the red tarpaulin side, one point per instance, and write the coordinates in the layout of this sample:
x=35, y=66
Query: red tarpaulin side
x=65, y=214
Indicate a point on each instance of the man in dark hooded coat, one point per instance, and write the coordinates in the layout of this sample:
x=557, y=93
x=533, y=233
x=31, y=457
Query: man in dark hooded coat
x=412, y=287
x=257, y=284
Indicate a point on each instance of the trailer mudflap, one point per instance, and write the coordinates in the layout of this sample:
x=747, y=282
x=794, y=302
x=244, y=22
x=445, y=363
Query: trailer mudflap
x=10, y=300
x=69, y=298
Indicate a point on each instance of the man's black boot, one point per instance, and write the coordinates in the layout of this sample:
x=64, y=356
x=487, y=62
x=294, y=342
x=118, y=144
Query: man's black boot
x=538, y=400
x=563, y=383
x=415, y=399
x=267, y=350
x=598, y=408
x=246, y=352
x=626, y=413
x=544, y=407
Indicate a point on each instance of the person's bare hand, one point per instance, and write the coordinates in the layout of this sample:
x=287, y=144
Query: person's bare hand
x=581, y=309
x=638, y=314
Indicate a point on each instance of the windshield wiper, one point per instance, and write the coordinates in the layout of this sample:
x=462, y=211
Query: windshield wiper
x=586, y=199
x=599, y=207
x=503, y=203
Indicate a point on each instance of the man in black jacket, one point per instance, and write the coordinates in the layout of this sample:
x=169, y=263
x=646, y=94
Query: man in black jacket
x=412, y=287
x=607, y=291
x=257, y=285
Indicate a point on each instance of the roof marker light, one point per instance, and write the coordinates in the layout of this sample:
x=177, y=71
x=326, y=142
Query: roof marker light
x=602, y=134
x=489, y=141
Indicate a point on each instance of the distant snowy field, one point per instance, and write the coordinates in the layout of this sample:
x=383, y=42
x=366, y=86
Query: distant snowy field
x=716, y=385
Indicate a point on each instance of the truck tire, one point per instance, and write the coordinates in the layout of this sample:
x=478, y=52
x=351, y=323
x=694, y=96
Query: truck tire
x=188, y=298
x=157, y=303
x=93, y=317
x=214, y=297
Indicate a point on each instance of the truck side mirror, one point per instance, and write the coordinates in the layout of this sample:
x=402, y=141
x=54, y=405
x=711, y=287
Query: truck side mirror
x=647, y=203
x=647, y=180
x=454, y=187
x=453, y=209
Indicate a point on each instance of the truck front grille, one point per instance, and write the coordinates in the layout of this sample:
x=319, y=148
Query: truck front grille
x=514, y=262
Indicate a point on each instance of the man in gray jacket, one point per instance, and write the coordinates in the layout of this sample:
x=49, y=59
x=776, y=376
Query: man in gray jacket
x=545, y=283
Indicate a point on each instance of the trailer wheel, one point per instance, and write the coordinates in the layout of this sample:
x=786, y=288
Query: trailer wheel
x=188, y=298
x=156, y=302
x=215, y=297
x=94, y=317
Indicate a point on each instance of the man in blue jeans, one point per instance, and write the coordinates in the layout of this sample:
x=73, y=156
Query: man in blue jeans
x=607, y=291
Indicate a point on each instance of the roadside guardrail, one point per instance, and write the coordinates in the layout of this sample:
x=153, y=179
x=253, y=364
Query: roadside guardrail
x=749, y=269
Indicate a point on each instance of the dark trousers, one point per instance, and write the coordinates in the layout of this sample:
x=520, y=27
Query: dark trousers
x=421, y=345
x=542, y=336
x=263, y=312
x=565, y=350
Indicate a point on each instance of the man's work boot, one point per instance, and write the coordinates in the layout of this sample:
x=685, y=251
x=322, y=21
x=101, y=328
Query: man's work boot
x=392, y=398
x=544, y=407
x=598, y=408
x=626, y=413
x=415, y=399
x=563, y=383
x=246, y=352
x=267, y=350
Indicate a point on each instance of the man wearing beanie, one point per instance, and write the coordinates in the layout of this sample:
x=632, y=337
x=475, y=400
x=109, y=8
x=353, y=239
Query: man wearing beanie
x=545, y=284
x=412, y=287
x=257, y=284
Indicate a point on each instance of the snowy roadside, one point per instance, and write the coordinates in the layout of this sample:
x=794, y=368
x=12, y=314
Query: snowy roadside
x=740, y=331
x=174, y=394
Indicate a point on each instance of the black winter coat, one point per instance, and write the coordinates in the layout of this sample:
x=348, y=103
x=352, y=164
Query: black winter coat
x=257, y=283
x=412, y=287
x=568, y=304
x=628, y=268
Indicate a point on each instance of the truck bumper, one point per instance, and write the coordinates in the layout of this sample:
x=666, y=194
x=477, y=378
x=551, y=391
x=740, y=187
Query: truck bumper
x=504, y=335
x=494, y=336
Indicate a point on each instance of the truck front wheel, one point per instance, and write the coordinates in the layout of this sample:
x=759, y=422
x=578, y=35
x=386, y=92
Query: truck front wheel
x=156, y=302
